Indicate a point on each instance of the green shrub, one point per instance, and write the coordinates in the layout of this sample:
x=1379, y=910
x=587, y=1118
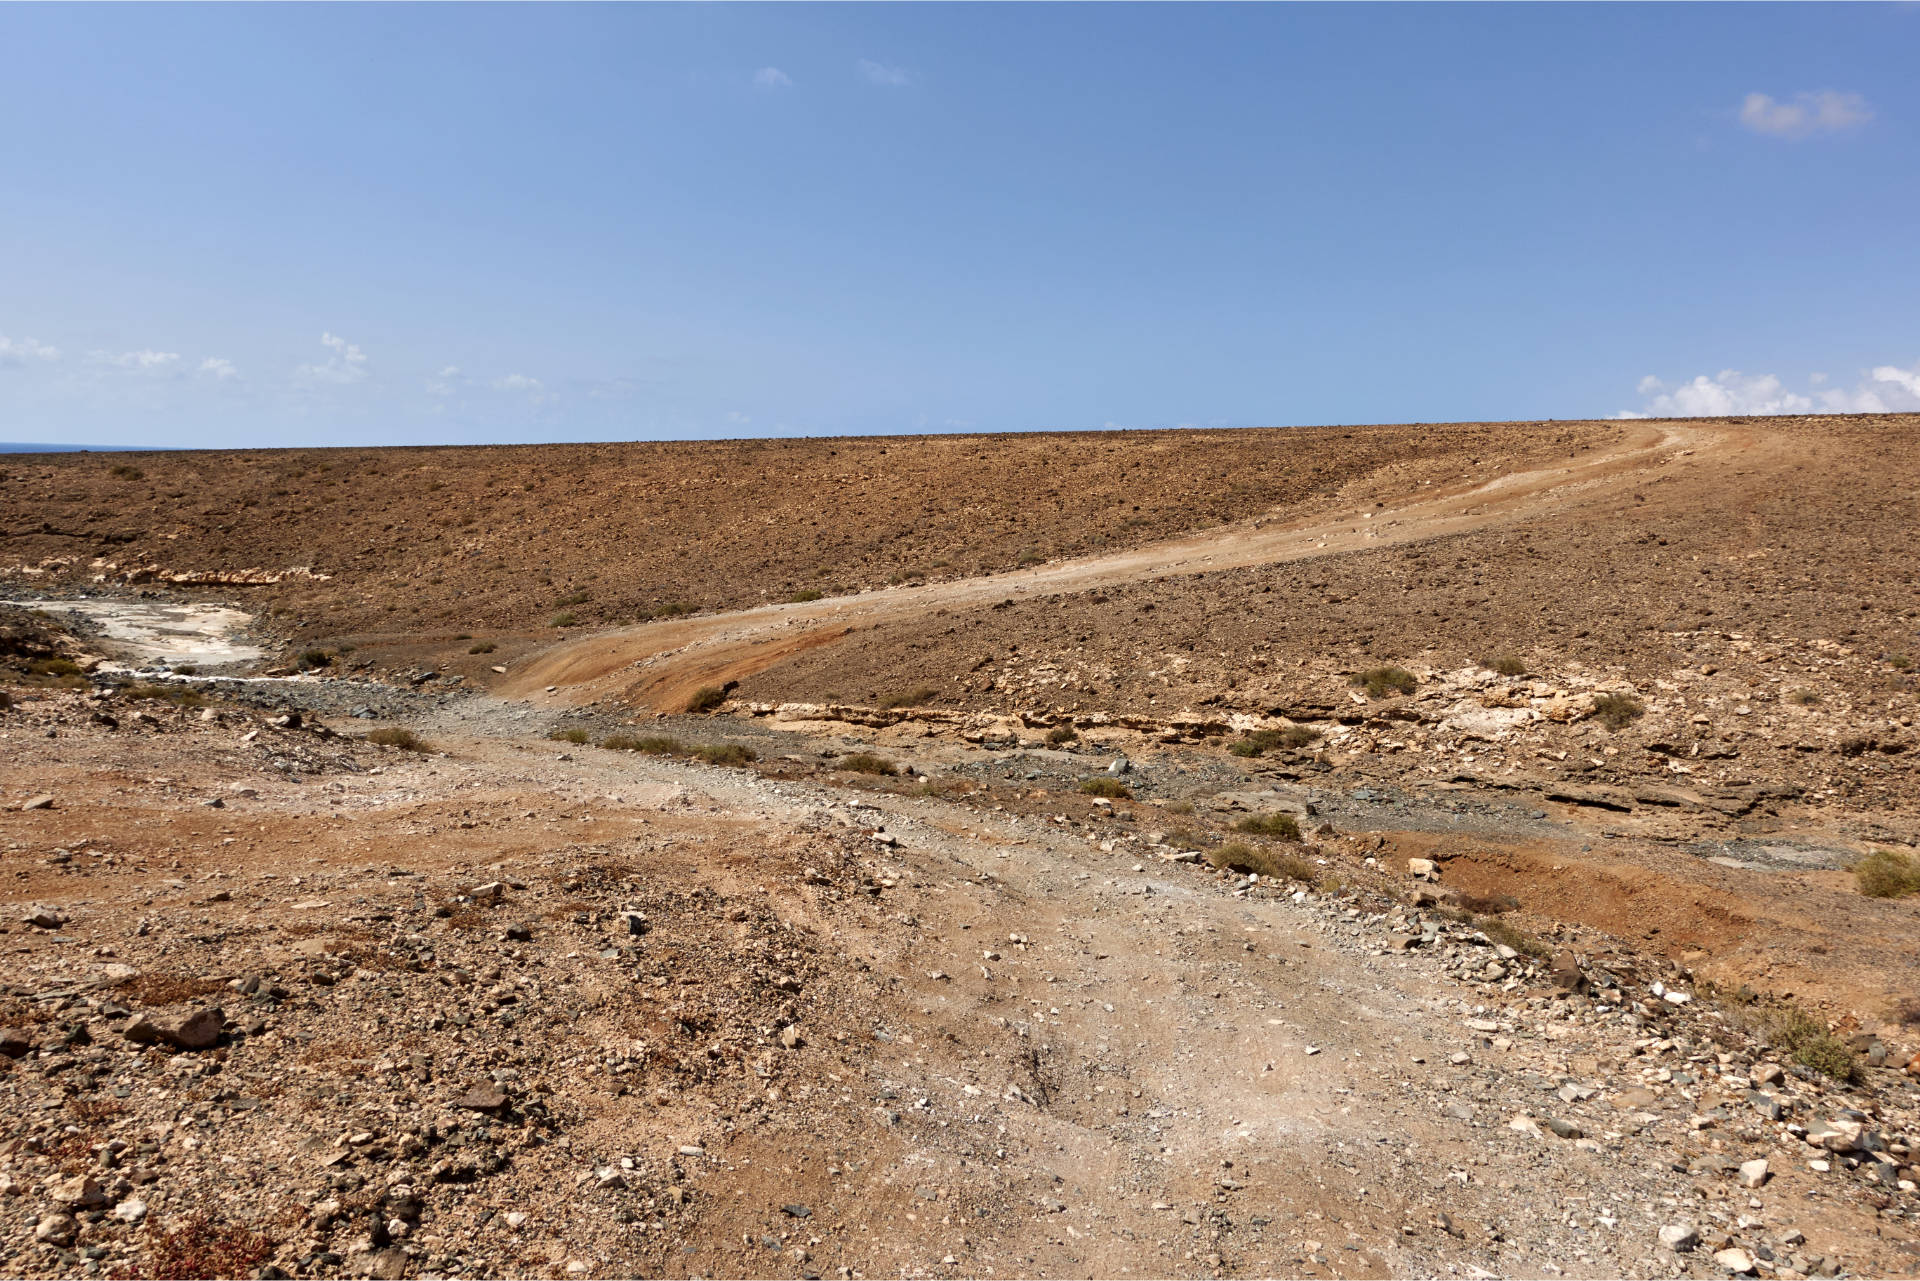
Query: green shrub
x=1519, y=940
x=1382, y=681
x=566, y=618
x=573, y=734
x=1807, y=1040
x=54, y=667
x=1277, y=826
x=572, y=598
x=659, y=745
x=804, y=595
x=706, y=698
x=312, y=658
x=725, y=754
x=1105, y=785
x=1887, y=874
x=1261, y=741
x=867, y=763
x=1268, y=864
x=620, y=743
x=1899, y=662
x=1617, y=711
x=1062, y=734
x=126, y=471
x=1508, y=665
x=178, y=695
x=484, y=647
x=919, y=696
x=404, y=739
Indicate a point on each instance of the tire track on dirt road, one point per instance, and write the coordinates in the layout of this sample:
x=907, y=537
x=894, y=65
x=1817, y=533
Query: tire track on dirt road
x=657, y=666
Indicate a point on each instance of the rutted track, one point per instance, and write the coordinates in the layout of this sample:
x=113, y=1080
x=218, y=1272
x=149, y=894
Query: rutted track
x=658, y=665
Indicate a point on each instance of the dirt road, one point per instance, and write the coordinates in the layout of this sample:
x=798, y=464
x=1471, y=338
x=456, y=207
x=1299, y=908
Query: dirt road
x=658, y=665
x=883, y=1033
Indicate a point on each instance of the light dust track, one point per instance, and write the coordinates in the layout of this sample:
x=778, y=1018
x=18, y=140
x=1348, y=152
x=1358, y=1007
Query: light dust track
x=658, y=665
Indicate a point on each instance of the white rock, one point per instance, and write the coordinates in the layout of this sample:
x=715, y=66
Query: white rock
x=131, y=1210
x=1738, y=1262
x=1753, y=1174
x=1679, y=1237
x=516, y=1220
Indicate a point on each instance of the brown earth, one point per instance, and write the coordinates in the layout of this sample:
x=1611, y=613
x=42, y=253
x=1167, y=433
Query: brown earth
x=466, y=538
x=966, y=1018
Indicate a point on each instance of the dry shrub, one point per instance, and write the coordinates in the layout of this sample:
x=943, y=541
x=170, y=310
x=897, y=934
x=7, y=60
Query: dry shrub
x=404, y=739
x=917, y=697
x=202, y=1246
x=867, y=763
x=1487, y=904
x=1382, y=681
x=804, y=595
x=1062, y=734
x=341, y=1056
x=1519, y=940
x=1617, y=711
x=155, y=988
x=484, y=647
x=1508, y=665
x=1261, y=741
x=726, y=754
x=94, y=1111
x=1107, y=786
x=1283, y=827
x=1887, y=874
x=575, y=735
x=178, y=695
x=706, y=698
x=1266, y=863
x=1808, y=1041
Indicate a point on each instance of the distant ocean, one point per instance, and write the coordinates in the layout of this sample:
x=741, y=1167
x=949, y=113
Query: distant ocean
x=31, y=447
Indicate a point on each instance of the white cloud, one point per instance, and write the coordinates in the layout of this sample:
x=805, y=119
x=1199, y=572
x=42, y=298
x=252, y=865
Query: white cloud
x=1905, y=378
x=880, y=74
x=772, y=78
x=219, y=369
x=15, y=352
x=1822, y=111
x=445, y=382
x=146, y=361
x=516, y=382
x=737, y=418
x=1730, y=393
x=347, y=364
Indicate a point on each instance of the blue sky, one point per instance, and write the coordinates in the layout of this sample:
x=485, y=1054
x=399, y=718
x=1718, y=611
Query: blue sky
x=291, y=224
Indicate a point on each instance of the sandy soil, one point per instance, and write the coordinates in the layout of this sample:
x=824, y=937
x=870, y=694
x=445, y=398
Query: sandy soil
x=1522, y=993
